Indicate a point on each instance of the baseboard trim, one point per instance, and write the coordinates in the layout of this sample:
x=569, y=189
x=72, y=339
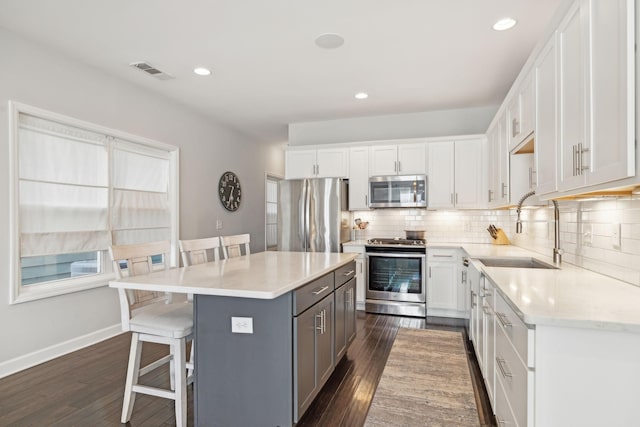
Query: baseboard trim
x=40, y=356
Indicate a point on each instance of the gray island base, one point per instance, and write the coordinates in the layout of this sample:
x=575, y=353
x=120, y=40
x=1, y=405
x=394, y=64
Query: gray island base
x=270, y=376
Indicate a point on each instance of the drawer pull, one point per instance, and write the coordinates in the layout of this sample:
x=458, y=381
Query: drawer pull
x=349, y=273
x=320, y=290
x=503, y=320
x=500, y=421
x=442, y=256
x=502, y=366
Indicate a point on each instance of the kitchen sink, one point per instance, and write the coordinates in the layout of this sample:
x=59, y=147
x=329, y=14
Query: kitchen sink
x=516, y=262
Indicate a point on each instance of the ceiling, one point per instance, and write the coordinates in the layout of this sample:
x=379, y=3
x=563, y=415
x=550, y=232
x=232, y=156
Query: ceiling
x=408, y=55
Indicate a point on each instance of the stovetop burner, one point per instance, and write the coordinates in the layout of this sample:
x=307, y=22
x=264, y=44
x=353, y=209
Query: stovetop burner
x=396, y=242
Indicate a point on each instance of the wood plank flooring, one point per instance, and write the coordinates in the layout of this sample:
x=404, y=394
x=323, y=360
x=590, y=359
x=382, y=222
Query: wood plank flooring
x=85, y=388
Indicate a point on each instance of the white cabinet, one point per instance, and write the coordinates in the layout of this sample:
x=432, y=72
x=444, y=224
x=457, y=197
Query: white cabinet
x=455, y=171
x=596, y=81
x=358, y=178
x=397, y=159
x=446, y=291
x=523, y=178
x=317, y=163
x=498, y=162
x=546, y=74
x=521, y=113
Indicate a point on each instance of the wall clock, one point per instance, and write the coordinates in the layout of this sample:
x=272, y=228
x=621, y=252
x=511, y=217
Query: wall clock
x=229, y=191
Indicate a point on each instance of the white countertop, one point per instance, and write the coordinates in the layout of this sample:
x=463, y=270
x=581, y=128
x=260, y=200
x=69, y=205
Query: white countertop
x=265, y=275
x=570, y=296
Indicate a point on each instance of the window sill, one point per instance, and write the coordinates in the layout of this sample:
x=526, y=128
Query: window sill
x=35, y=292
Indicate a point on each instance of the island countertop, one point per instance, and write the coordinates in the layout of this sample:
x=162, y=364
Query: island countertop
x=264, y=275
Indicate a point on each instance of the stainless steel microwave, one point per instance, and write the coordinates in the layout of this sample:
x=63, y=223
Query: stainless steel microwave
x=398, y=191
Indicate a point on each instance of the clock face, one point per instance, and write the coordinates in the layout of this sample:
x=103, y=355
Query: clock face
x=229, y=191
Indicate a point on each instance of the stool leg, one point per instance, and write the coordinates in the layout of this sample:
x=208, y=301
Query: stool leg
x=133, y=372
x=191, y=357
x=179, y=361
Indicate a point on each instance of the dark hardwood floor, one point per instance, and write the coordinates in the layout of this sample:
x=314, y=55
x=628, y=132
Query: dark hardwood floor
x=85, y=388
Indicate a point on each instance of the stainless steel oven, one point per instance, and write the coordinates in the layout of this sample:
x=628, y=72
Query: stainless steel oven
x=396, y=280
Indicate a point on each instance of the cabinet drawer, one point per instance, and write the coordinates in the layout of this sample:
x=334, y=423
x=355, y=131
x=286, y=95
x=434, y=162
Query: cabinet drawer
x=515, y=329
x=513, y=375
x=504, y=416
x=312, y=292
x=442, y=254
x=345, y=273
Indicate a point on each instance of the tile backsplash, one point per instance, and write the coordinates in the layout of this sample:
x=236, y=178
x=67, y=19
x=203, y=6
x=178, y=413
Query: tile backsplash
x=586, y=230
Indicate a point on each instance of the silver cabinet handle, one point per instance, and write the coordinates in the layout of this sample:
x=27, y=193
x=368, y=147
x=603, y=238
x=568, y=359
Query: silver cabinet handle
x=490, y=196
x=581, y=151
x=317, y=169
x=504, y=369
x=530, y=177
x=574, y=148
x=473, y=299
x=504, y=192
x=349, y=273
x=395, y=166
x=442, y=256
x=503, y=319
x=319, y=317
x=500, y=421
x=366, y=200
x=451, y=198
x=456, y=198
x=514, y=124
x=399, y=166
x=429, y=271
x=320, y=290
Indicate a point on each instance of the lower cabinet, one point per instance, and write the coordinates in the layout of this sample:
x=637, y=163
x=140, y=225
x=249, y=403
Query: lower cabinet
x=345, y=317
x=446, y=287
x=313, y=358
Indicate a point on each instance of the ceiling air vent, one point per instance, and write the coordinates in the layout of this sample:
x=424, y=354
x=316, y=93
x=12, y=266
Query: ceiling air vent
x=151, y=70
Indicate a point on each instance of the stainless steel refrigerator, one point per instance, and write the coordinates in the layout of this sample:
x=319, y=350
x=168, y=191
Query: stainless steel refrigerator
x=313, y=215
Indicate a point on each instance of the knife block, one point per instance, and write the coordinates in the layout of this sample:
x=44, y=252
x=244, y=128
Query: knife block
x=501, y=238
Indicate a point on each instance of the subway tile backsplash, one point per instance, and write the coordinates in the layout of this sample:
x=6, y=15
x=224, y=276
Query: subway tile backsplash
x=586, y=230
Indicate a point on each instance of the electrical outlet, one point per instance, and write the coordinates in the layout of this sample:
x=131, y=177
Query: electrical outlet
x=615, y=235
x=242, y=325
x=218, y=224
x=587, y=234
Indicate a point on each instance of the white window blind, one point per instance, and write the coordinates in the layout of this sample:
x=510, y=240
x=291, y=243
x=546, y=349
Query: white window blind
x=63, y=188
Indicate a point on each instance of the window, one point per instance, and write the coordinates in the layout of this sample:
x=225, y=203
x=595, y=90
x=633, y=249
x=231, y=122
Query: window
x=271, y=213
x=77, y=189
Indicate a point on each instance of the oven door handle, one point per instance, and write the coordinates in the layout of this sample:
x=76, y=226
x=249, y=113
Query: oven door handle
x=397, y=255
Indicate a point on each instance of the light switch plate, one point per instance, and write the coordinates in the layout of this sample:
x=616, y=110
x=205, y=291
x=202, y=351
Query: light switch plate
x=218, y=224
x=242, y=325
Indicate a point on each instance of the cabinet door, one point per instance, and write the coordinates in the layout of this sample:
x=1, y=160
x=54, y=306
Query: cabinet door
x=305, y=326
x=340, y=321
x=350, y=311
x=442, y=289
x=503, y=162
x=574, y=136
x=514, y=121
x=359, y=178
x=468, y=180
x=441, y=175
x=493, y=172
x=412, y=159
x=324, y=340
x=383, y=160
x=332, y=163
x=546, y=118
x=527, y=106
x=522, y=176
x=612, y=150
x=300, y=164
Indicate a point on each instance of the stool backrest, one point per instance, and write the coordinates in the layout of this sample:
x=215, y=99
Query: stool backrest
x=134, y=260
x=195, y=251
x=231, y=245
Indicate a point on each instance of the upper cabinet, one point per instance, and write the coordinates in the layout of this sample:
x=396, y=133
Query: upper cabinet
x=358, y=178
x=400, y=159
x=317, y=163
x=456, y=174
x=521, y=113
x=498, y=163
x=597, y=94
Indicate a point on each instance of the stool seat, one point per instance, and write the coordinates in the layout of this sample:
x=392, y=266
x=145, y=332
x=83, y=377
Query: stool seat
x=174, y=320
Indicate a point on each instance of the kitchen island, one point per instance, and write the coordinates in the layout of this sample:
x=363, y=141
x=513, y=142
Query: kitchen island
x=269, y=329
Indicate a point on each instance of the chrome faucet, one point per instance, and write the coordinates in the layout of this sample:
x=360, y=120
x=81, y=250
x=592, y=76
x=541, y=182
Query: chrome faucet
x=557, y=252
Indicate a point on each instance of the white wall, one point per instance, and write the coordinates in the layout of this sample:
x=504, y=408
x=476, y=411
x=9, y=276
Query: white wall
x=466, y=121
x=34, y=75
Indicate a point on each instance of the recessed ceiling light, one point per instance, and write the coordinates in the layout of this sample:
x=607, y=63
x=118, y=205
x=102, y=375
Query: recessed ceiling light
x=361, y=95
x=201, y=71
x=329, y=41
x=504, y=24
